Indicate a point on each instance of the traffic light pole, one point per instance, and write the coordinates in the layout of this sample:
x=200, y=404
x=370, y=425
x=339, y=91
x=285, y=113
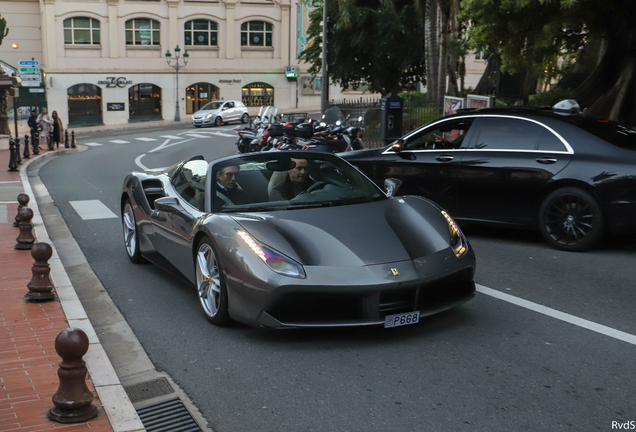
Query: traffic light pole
x=324, y=94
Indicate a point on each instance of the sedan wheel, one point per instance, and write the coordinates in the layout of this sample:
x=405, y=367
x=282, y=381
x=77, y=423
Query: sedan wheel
x=218, y=121
x=210, y=285
x=571, y=220
x=131, y=238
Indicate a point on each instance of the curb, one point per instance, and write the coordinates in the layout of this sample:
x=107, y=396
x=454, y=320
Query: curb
x=115, y=402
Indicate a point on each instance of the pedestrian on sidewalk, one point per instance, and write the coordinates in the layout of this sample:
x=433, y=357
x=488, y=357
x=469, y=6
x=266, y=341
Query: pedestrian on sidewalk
x=58, y=129
x=45, y=120
x=33, y=125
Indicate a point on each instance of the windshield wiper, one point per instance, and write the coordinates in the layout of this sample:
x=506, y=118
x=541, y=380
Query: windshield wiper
x=249, y=208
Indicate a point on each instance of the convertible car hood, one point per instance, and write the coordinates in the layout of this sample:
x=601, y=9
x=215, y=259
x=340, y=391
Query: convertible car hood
x=353, y=235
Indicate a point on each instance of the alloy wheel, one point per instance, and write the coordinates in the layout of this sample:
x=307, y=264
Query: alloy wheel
x=208, y=280
x=569, y=219
x=130, y=231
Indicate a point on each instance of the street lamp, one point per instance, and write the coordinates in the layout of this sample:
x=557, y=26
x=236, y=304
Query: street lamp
x=177, y=66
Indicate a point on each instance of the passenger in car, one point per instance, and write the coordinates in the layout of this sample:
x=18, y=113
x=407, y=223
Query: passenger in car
x=228, y=189
x=295, y=181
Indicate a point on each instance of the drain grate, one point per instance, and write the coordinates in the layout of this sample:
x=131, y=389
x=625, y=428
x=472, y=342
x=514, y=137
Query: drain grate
x=168, y=416
x=148, y=390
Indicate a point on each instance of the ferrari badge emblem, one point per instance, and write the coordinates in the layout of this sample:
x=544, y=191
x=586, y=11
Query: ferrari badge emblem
x=395, y=272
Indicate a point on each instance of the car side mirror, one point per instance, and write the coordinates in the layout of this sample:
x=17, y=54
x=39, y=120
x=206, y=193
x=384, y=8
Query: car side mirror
x=168, y=205
x=224, y=108
x=391, y=186
x=398, y=146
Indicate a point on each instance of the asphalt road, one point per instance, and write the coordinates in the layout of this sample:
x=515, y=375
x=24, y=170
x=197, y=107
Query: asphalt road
x=489, y=365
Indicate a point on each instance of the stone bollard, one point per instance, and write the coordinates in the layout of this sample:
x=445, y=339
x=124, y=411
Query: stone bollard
x=25, y=239
x=73, y=400
x=26, y=154
x=41, y=287
x=18, y=159
x=23, y=200
x=13, y=163
x=73, y=143
x=66, y=139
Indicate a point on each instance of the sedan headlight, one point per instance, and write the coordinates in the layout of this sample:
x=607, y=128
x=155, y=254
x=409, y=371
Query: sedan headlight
x=457, y=240
x=275, y=260
x=209, y=115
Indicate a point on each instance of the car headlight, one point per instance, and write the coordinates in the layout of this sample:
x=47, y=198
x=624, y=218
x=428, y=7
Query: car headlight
x=275, y=260
x=457, y=240
x=209, y=115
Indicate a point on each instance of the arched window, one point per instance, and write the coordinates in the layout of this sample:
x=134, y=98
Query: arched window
x=201, y=33
x=256, y=33
x=81, y=31
x=258, y=94
x=199, y=94
x=84, y=105
x=142, y=31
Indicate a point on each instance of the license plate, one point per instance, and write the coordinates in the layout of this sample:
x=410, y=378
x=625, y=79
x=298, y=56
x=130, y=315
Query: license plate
x=402, y=319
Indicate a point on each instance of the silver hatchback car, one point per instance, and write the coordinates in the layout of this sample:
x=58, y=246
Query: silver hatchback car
x=218, y=112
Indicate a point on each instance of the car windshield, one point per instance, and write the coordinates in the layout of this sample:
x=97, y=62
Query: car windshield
x=610, y=131
x=289, y=180
x=212, y=106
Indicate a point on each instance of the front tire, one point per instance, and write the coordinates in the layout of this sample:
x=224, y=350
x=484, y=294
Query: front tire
x=131, y=233
x=211, y=284
x=570, y=219
x=218, y=121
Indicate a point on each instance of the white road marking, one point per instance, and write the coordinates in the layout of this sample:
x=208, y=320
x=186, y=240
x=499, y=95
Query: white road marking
x=197, y=135
x=598, y=328
x=120, y=142
x=92, y=209
x=171, y=136
x=161, y=147
x=139, y=164
x=225, y=135
x=146, y=139
x=93, y=144
x=10, y=181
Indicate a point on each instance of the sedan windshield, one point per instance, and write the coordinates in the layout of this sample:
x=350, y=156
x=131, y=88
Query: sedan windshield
x=212, y=106
x=289, y=180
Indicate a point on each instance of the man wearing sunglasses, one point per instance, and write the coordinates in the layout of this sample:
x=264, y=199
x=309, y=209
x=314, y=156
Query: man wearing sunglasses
x=227, y=188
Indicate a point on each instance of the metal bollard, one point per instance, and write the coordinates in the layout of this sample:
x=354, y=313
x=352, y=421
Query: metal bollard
x=26, y=154
x=35, y=144
x=50, y=141
x=25, y=239
x=23, y=200
x=13, y=164
x=41, y=286
x=73, y=143
x=73, y=400
x=66, y=145
x=18, y=159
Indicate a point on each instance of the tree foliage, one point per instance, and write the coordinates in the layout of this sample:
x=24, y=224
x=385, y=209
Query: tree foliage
x=534, y=36
x=377, y=42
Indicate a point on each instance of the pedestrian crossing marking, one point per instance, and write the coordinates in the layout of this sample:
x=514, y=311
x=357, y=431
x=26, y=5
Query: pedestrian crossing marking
x=120, y=142
x=171, y=136
x=225, y=135
x=146, y=139
x=197, y=135
x=93, y=144
x=92, y=209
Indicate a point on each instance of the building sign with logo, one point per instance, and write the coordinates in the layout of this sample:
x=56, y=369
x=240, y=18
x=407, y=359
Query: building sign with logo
x=115, y=106
x=115, y=82
x=229, y=81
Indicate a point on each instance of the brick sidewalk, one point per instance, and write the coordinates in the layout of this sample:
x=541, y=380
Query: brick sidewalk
x=28, y=361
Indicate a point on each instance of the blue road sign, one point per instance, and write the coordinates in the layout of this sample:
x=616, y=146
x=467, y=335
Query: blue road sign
x=29, y=62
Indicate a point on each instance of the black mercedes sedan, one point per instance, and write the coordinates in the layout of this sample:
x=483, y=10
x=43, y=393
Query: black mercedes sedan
x=296, y=239
x=567, y=174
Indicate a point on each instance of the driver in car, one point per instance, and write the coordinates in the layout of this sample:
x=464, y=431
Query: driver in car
x=296, y=181
x=227, y=189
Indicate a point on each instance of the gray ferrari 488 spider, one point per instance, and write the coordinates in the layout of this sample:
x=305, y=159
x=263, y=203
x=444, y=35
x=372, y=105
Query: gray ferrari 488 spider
x=297, y=239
